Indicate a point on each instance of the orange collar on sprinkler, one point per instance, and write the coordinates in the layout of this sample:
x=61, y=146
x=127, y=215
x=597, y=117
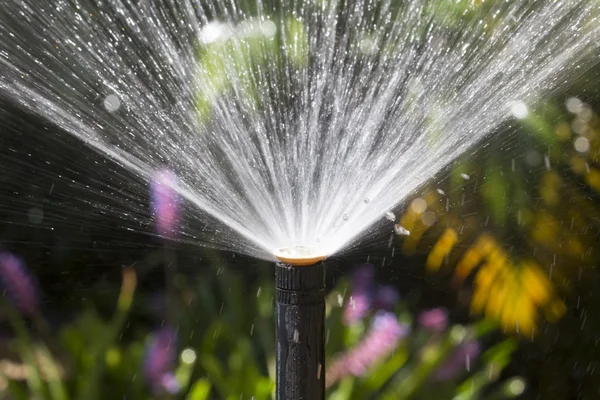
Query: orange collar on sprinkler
x=299, y=256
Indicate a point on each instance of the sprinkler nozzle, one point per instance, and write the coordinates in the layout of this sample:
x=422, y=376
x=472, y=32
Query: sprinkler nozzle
x=298, y=256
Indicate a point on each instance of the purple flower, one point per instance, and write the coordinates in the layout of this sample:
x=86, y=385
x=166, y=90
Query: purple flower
x=170, y=383
x=385, y=298
x=165, y=203
x=19, y=284
x=381, y=340
x=435, y=320
x=366, y=297
x=159, y=362
x=361, y=298
x=362, y=278
x=460, y=360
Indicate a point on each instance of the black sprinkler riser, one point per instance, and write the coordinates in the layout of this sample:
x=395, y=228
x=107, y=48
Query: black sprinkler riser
x=300, y=331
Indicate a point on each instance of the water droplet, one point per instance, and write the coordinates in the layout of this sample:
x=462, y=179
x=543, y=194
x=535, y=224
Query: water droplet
x=268, y=28
x=516, y=387
x=573, y=104
x=215, y=32
x=428, y=218
x=296, y=336
x=400, y=230
x=367, y=46
x=367, y=200
x=519, y=109
x=345, y=217
x=112, y=103
x=419, y=205
x=440, y=191
x=581, y=144
x=188, y=356
x=465, y=177
x=547, y=162
x=586, y=113
x=390, y=216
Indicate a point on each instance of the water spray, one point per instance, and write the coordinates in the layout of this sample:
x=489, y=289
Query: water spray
x=378, y=103
x=300, y=324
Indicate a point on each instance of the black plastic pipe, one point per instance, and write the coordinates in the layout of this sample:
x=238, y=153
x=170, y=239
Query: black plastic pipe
x=300, y=331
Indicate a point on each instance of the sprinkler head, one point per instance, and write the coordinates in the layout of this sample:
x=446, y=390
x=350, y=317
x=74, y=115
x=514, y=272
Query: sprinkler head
x=298, y=256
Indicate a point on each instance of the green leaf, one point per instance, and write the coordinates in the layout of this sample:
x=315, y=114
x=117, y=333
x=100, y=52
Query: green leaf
x=200, y=390
x=379, y=375
x=264, y=388
x=500, y=354
x=344, y=389
x=354, y=333
x=216, y=374
x=17, y=392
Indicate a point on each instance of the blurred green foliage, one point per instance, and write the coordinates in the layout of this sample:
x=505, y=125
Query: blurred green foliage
x=225, y=350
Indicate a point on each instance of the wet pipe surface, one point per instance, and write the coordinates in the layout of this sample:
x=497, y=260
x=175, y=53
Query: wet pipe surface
x=300, y=331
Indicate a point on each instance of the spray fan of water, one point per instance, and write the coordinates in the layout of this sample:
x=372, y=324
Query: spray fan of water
x=295, y=123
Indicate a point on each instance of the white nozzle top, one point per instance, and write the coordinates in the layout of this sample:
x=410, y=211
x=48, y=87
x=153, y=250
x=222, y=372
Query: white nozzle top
x=299, y=255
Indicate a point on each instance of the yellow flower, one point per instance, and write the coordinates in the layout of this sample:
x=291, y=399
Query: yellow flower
x=441, y=249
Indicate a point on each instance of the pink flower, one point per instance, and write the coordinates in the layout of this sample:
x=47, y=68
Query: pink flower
x=435, y=320
x=19, y=284
x=381, y=340
x=159, y=362
x=357, y=308
x=165, y=203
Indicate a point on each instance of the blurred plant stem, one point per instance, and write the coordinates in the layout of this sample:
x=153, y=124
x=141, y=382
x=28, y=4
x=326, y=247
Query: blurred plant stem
x=27, y=352
x=90, y=389
x=171, y=293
